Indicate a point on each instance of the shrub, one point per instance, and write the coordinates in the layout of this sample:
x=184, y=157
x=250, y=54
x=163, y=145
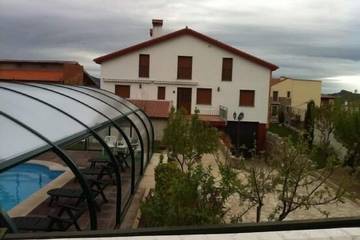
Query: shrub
x=186, y=198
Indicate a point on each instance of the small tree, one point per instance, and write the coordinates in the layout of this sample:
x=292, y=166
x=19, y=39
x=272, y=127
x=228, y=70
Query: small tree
x=325, y=118
x=260, y=183
x=294, y=180
x=300, y=185
x=309, y=122
x=187, y=138
x=347, y=130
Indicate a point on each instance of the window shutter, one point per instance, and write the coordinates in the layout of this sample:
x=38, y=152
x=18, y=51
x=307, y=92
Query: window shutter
x=203, y=96
x=161, y=93
x=122, y=91
x=247, y=98
x=144, y=62
x=227, y=69
x=184, y=67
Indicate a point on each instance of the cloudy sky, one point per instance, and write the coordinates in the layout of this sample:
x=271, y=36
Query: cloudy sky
x=311, y=39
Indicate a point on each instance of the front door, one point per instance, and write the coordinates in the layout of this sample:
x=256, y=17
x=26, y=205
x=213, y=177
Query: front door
x=184, y=99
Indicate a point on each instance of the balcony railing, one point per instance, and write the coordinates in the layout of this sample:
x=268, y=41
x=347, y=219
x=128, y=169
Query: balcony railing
x=285, y=101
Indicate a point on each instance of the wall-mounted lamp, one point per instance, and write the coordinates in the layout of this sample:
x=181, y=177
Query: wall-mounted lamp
x=218, y=89
x=140, y=86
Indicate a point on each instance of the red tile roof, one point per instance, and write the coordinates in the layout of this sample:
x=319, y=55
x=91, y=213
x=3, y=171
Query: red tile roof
x=186, y=31
x=154, y=108
x=31, y=75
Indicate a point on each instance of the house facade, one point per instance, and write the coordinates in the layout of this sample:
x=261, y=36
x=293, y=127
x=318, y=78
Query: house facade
x=292, y=95
x=196, y=73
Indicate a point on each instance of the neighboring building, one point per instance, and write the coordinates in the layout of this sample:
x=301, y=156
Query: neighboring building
x=158, y=112
x=292, y=95
x=63, y=72
x=194, y=71
x=327, y=99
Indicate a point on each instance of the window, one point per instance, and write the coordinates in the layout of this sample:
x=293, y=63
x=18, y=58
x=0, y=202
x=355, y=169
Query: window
x=247, y=98
x=161, y=93
x=275, y=96
x=122, y=91
x=227, y=65
x=203, y=96
x=184, y=67
x=144, y=62
x=288, y=94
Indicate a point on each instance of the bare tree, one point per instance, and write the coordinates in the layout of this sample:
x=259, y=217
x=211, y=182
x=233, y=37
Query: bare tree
x=300, y=185
x=294, y=180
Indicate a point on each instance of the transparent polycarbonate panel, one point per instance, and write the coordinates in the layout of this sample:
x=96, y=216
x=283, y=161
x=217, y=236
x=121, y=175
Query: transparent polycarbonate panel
x=130, y=105
x=16, y=141
x=143, y=134
x=84, y=114
x=49, y=122
x=119, y=106
x=92, y=102
x=112, y=95
x=148, y=124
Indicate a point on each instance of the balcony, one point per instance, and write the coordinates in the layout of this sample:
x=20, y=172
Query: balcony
x=284, y=101
x=215, y=117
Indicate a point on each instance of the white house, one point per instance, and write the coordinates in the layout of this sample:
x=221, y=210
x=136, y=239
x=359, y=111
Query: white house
x=194, y=71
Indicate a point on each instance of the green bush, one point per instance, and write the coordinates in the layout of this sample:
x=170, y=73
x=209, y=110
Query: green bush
x=185, y=198
x=309, y=122
x=323, y=155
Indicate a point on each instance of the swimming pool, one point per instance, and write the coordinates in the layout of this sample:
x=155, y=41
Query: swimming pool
x=18, y=183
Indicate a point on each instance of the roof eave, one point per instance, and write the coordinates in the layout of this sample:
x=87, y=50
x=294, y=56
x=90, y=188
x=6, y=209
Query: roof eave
x=193, y=33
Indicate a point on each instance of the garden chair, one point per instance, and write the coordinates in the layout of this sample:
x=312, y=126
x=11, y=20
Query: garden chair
x=97, y=188
x=65, y=217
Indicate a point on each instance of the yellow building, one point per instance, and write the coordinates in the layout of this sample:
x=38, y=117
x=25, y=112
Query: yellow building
x=292, y=95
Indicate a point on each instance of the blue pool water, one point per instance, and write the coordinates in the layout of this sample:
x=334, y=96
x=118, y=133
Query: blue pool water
x=18, y=183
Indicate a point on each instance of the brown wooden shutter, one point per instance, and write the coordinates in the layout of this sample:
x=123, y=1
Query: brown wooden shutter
x=161, y=93
x=203, y=96
x=247, y=98
x=122, y=91
x=227, y=69
x=144, y=62
x=184, y=67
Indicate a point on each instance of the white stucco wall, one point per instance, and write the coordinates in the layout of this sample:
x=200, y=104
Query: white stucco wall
x=206, y=73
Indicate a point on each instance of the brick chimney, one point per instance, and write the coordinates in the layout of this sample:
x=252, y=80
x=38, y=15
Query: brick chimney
x=156, y=30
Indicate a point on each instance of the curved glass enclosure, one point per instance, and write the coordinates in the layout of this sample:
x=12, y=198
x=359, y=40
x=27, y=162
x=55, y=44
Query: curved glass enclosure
x=66, y=120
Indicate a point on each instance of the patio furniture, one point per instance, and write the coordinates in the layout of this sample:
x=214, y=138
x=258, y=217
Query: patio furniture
x=66, y=217
x=105, y=169
x=97, y=188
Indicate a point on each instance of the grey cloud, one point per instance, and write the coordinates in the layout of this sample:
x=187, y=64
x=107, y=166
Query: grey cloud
x=310, y=43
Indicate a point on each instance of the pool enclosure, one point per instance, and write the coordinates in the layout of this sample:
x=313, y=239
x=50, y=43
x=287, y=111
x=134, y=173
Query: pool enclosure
x=36, y=118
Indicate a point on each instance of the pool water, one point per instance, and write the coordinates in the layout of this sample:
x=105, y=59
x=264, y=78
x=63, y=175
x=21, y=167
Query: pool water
x=19, y=182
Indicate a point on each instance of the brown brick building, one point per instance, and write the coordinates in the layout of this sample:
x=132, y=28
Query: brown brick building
x=64, y=72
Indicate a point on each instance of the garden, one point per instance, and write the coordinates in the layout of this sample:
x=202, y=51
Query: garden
x=199, y=182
